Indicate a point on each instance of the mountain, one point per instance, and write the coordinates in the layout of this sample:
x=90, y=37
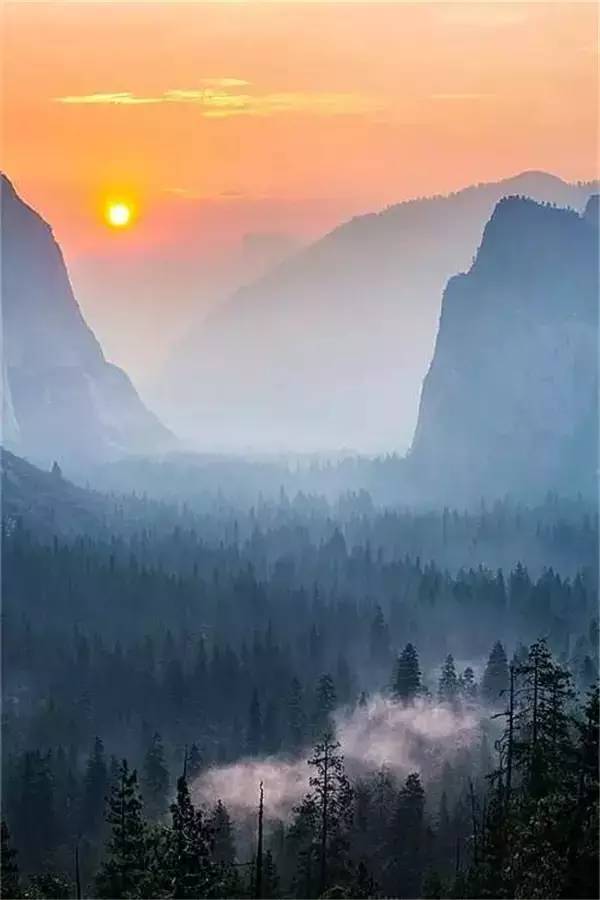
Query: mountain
x=45, y=502
x=61, y=398
x=329, y=350
x=510, y=402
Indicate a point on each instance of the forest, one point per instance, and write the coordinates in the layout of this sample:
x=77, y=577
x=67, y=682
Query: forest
x=304, y=697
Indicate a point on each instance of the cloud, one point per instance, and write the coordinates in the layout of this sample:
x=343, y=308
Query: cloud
x=225, y=82
x=218, y=101
x=120, y=98
x=461, y=96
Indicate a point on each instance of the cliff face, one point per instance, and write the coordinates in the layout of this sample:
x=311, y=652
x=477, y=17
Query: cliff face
x=329, y=349
x=61, y=398
x=510, y=400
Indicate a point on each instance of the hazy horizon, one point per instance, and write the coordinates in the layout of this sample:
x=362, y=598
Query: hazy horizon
x=234, y=151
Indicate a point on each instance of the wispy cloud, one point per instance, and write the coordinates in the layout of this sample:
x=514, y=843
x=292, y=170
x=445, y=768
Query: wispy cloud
x=220, y=101
x=119, y=98
x=461, y=96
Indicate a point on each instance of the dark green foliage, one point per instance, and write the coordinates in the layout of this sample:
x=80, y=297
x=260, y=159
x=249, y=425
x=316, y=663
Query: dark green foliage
x=10, y=886
x=407, y=845
x=221, y=643
x=270, y=878
x=540, y=837
x=194, y=762
x=448, y=686
x=495, y=677
x=192, y=871
x=296, y=716
x=50, y=886
x=324, y=705
x=124, y=866
x=33, y=818
x=407, y=677
x=155, y=779
x=222, y=835
x=95, y=789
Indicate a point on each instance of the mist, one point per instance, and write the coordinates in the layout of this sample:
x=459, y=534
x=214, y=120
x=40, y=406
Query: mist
x=420, y=737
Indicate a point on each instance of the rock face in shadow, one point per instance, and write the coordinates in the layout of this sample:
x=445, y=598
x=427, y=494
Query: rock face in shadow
x=61, y=398
x=510, y=402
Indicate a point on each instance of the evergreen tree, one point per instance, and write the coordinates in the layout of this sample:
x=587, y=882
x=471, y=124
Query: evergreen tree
x=407, y=678
x=495, y=676
x=155, y=778
x=296, y=716
x=270, y=878
x=192, y=870
x=95, y=787
x=325, y=703
x=123, y=868
x=222, y=835
x=332, y=798
x=407, y=848
x=448, y=683
x=35, y=827
x=380, y=640
x=10, y=886
x=194, y=762
x=468, y=686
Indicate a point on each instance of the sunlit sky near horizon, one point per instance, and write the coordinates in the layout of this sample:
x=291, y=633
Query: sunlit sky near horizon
x=218, y=120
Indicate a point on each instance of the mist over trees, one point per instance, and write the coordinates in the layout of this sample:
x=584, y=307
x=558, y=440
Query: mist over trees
x=306, y=677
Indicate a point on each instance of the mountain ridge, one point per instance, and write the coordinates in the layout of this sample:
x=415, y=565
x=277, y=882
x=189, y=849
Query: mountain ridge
x=332, y=344
x=61, y=397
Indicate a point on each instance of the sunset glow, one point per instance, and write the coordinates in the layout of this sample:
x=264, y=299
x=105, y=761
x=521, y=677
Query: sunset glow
x=226, y=120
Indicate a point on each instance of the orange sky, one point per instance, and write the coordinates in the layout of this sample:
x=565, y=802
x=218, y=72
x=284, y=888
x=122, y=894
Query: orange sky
x=220, y=119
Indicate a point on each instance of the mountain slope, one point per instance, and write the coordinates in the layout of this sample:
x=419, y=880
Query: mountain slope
x=329, y=350
x=62, y=399
x=510, y=402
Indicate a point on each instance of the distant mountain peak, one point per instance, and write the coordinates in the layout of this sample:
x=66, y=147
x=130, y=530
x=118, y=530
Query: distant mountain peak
x=61, y=398
x=592, y=210
x=509, y=403
x=317, y=353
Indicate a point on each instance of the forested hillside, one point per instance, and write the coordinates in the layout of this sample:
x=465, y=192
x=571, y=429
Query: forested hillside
x=216, y=639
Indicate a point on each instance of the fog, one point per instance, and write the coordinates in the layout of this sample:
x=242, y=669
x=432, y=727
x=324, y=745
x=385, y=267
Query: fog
x=420, y=737
x=328, y=350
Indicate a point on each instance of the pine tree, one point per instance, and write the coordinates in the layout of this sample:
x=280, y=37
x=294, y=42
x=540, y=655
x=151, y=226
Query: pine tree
x=222, y=835
x=583, y=862
x=380, y=640
x=192, y=871
x=194, y=762
x=296, y=716
x=448, y=683
x=10, y=886
x=495, y=676
x=270, y=878
x=531, y=830
x=325, y=703
x=407, y=678
x=332, y=798
x=95, y=786
x=122, y=871
x=34, y=822
x=155, y=778
x=468, y=686
x=407, y=846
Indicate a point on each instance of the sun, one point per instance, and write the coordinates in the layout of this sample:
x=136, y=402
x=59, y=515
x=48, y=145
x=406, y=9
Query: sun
x=118, y=215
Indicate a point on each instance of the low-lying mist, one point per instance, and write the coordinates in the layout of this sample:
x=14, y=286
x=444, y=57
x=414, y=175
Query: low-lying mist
x=420, y=737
